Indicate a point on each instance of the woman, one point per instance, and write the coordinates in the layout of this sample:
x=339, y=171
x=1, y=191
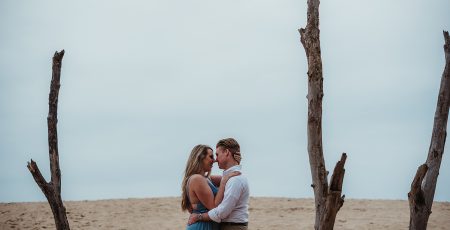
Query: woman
x=200, y=193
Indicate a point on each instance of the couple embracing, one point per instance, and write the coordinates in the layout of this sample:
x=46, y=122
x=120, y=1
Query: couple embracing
x=215, y=202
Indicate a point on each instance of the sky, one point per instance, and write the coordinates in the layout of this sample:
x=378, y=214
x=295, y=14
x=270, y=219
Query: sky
x=143, y=82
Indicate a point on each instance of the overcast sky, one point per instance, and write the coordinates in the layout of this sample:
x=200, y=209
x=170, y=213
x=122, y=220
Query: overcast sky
x=143, y=82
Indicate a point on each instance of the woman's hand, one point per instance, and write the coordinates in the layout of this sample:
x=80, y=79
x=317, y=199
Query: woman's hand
x=229, y=175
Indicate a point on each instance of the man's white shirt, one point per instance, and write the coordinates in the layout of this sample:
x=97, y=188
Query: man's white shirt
x=234, y=206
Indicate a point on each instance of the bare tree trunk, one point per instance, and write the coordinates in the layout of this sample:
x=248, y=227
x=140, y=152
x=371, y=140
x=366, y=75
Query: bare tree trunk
x=424, y=185
x=328, y=201
x=52, y=189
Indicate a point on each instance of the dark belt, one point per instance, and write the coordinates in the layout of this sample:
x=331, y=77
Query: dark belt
x=234, y=224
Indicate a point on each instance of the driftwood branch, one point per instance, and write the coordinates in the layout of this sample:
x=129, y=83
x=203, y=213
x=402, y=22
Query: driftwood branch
x=423, y=186
x=327, y=201
x=52, y=189
x=416, y=200
x=334, y=200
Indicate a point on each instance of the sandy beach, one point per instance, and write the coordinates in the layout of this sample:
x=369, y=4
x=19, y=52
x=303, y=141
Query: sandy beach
x=265, y=213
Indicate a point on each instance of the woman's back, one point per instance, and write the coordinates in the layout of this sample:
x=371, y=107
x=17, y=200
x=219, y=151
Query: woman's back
x=194, y=199
x=198, y=207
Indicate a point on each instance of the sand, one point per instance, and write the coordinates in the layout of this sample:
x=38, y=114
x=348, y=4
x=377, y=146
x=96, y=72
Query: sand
x=265, y=213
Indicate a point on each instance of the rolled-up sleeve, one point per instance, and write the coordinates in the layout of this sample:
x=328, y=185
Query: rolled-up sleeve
x=230, y=199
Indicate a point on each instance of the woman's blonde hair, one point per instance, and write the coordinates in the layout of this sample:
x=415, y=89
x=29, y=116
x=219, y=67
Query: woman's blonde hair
x=193, y=166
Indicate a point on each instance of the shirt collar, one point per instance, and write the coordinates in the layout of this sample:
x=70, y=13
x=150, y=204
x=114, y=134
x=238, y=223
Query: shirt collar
x=232, y=169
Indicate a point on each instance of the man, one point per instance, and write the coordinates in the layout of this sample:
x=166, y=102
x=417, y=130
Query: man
x=232, y=213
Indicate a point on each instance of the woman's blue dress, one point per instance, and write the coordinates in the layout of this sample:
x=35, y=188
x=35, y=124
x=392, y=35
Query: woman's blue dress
x=210, y=225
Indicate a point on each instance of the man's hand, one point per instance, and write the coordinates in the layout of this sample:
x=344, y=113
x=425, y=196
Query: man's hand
x=193, y=218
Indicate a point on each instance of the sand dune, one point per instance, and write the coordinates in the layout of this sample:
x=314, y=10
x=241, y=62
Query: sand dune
x=265, y=213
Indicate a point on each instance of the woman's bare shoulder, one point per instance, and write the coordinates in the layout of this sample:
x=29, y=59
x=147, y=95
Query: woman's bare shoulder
x=197, y=178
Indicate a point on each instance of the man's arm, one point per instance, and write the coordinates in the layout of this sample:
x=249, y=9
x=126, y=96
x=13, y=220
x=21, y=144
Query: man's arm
x=195, y=217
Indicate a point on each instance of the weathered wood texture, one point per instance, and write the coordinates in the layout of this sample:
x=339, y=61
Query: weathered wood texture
x=334, y=200
x=327, y=200
x=424, y=184
x=52, y=189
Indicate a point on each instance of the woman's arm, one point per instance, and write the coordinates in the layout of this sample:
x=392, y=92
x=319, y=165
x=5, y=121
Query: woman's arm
x=219, y=196
x=195, y=217
x=216, y=180
x=204, y=193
